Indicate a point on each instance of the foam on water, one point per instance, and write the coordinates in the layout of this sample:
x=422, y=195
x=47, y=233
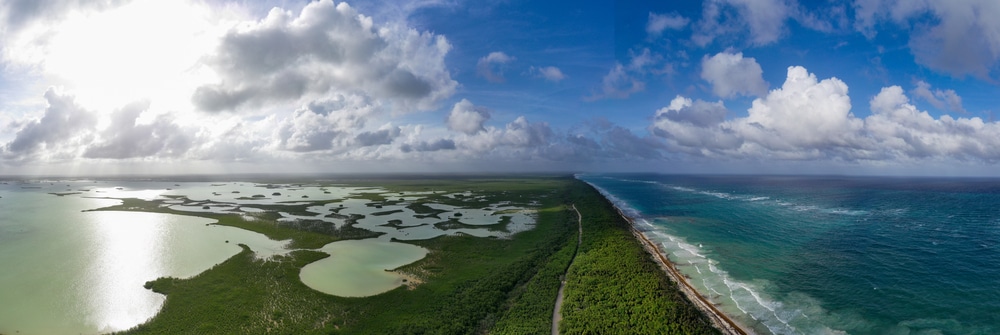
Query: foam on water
x=811, y=256
x=741, y=295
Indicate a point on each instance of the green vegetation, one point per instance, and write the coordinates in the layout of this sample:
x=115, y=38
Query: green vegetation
x=468, y=285
x=615, y=287
x=531, y=311
x=244, y=295
x=265, y=223
x=468, y=282
x=454, y=223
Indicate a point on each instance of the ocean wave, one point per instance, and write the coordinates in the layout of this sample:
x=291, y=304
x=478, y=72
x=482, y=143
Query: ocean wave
x=763, y=200
x=720, y=288
x=746, y=301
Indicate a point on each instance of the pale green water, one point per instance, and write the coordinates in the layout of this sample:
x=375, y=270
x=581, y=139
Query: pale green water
x=67, y=271
x=357, y=268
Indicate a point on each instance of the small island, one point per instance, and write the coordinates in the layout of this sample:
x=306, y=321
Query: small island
x=483, y=276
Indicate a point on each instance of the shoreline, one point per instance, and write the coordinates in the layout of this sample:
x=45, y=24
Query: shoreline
x=718, y=319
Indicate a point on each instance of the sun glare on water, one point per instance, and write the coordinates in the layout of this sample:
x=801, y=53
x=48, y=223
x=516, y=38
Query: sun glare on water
x=130, y=254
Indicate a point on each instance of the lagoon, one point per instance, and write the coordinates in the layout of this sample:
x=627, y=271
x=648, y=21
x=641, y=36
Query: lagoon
x=359, y=268
x=69, y=271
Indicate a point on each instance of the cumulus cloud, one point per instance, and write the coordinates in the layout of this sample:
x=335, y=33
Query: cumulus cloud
x=811, y=119
x=803, y=118
x=63, y=121
x=517, y=134
x=492, y=66
x=314, y=86
x=426, y=146
x=127, y=138
x=730, y=75
x=67, y=131
x=327, y=49
x=659, y=22
x=698, y=113
x=467, y=118
x=550, y=73
x=904, y=131
x=940, y=99
x=959, y=38
x=379, y=137
x=324, y=124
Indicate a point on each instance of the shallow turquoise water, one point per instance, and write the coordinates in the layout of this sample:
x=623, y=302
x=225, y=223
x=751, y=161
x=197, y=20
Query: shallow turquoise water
x=808, y=255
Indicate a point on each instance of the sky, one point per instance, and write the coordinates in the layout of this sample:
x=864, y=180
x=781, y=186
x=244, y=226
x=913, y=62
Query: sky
x=862, y=87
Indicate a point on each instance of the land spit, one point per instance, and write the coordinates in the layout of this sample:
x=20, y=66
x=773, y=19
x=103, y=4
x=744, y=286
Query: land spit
x=719, y=319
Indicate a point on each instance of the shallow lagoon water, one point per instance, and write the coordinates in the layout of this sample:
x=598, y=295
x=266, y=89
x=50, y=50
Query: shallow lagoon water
x=71, y=271
x=67, y=271
x=358, y=268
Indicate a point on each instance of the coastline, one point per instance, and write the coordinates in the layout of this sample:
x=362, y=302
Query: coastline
x=719, y=319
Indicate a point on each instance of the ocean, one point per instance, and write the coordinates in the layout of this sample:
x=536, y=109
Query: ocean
x=828, y=255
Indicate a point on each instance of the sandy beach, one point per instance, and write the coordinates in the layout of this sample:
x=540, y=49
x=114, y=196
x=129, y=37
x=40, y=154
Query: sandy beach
x=721, y=321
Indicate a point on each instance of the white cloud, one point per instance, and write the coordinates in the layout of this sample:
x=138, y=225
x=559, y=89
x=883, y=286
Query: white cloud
x=805, y=112
x=959, y=38
x=426, y=146
x=57, y=132
x=67, y=131
x=904, y=131
x=550, y=73
x=698, y=113
x=325, y=125
x=383, y=136
x=518, y=134
x=764, y=20
x=491, y=66
x=946, y=99
x=731, y=74
x=639, y=62
x=467, y=118
x=621, y=81
x=659, y=22
x=809, y=119
x=618, y=84
x=327, y=49
x=125, y=137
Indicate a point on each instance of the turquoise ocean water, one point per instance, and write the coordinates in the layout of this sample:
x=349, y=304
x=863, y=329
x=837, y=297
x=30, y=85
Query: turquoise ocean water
x=829, y=255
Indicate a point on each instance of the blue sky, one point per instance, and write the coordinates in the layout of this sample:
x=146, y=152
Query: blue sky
x=886, y=87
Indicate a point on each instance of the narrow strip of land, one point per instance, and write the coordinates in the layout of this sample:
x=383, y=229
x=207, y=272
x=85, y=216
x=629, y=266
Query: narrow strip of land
x=721, y=320
x=557, y=311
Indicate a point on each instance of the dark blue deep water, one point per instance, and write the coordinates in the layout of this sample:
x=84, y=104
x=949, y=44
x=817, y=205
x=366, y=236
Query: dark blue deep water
x=814, y=255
